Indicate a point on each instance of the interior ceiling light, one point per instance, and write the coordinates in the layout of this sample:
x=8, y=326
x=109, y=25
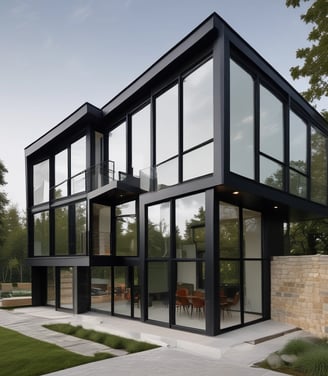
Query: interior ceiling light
x=235, y=193
x=275, y=207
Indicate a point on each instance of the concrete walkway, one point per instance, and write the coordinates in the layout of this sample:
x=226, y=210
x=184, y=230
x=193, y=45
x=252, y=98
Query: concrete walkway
x=181, y=353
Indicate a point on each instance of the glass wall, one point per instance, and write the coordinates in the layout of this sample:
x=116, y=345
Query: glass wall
x=242, y=149
x=101, y=288
x=140, y=124
x=61, y=231
x=198, y=122
x=318, y=166
x=158, y=291
x=101, y=229
x=167, y=137
x=61, y=174
x=41, y=182
x=66, y=288
x=159, y=230
x=41, y=234
x=51, y=286
x=78, y=165
x=126, y=229
x=80, y=228
x=117, y=148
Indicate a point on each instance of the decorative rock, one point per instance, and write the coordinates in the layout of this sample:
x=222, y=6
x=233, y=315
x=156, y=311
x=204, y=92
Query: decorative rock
x=289, y=359
x=274, y=361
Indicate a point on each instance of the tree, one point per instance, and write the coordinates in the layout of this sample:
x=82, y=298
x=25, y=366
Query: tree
x=315, y=57
x=3, y=202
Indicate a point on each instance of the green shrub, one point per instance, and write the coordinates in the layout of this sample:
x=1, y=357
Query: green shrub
x=297, y=347
x=313, y=362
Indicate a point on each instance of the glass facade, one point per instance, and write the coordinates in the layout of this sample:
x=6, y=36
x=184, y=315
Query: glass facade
x=159, y=226
x=78, y=165
x=61, y=231
x=80, y=228
x=101, y=229
x=117, y=149
x=41, y=234
x=126, y=229
x=61, y=174
x=101, y=288
x=41, y=182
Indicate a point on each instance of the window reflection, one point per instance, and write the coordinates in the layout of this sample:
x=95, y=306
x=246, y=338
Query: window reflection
x=271, y=124
x=101, y=224
x=117, y=148
x=41, y=234
x=297, y=142
x=158, y=291
x=190, y=226
x=229, y=231
x=80, y=228
x=61, y=231
x=159, y=230
x=126, y=229
x=167, y=174
x=167, y=125
x=241, y=121
x=198, y=106
x=198, y=162
x=41, y=182
x=271, y=173
x=318, y=167
x=101, y=287
x=141, y=140
x=78, y=165
x=61, y=174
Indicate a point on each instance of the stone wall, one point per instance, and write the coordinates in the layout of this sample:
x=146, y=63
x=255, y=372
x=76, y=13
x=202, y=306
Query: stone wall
x=299, y=292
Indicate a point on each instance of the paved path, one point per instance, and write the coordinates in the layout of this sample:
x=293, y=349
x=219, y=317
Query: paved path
x=230, y=354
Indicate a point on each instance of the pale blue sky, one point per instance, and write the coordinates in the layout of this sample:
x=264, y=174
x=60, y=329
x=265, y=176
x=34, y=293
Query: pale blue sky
x=57, y=55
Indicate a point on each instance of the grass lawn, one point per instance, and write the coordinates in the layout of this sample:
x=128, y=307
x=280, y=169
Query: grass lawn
x=21, y=356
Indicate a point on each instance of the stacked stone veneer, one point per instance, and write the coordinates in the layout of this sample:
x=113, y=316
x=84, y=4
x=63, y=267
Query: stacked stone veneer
x=299, y=292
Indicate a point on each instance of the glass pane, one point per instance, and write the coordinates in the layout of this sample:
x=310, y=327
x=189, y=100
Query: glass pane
x=167, y=125
x=51, y=287
x=41, y=234
x=190, y=295
x=168, y=174
x=190, y=226
x=271, y=173
x=41, y=182
x=136, y=293
x=122, y=305
x=252, y=234
x=198, y=162
x=61, y=231
x=117, y=149
x=141, y=140
x=297, y=184
x=229, y=231
x=158, y=291
x=159, y=230
x=198, y=106
x=78, y=165
x=297, y=143
x=61, y=170
x=252, y=290
x=318, y=167
x=241, y=121
x=99, y=172
x=81, y=228
x=271, y=124
x=101, y=287
x=101, y=224
x=66, y=288
x=230, y=293
x=126, y=229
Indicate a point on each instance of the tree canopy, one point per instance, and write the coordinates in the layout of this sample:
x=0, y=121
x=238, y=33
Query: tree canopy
x=315, y=57
x=3, y=201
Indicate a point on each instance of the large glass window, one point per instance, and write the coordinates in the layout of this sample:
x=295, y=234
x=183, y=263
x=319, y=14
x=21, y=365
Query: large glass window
x=159, y=230
x=190, y=226
x=241, y=121
x=158, y=291
x=61, y=174
x=101, y=287
x=80, y=228
x=198, y=122
x=126, y=229
x=78, y=165
x=141, y=140
x=271, y=173
x=41, y=182
x=66, y=288
x=61, y=231
x=41, y=234
x=101, y=225
x=117, y=149
x=318, y=166
x=51, y=286
x=198, y=106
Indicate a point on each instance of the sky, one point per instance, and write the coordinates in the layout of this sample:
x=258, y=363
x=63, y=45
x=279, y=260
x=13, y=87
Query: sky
x=57, y=55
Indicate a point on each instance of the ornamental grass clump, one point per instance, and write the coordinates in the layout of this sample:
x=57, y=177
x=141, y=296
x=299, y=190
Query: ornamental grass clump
x=297, y=347
x=313, y=362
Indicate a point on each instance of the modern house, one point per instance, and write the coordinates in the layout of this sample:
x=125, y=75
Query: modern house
x=168, y=204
